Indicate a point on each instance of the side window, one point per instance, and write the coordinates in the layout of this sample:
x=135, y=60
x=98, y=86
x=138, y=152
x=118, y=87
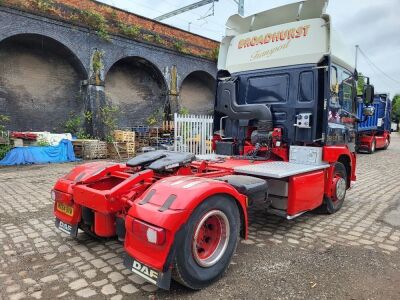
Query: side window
x=306, y=86
x=346, y=91
x=268, y=89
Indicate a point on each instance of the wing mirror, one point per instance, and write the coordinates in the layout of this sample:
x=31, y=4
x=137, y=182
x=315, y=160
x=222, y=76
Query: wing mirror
x=368, y=111
x=368, y=94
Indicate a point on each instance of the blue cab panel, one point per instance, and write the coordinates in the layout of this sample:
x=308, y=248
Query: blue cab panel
x=381, y=118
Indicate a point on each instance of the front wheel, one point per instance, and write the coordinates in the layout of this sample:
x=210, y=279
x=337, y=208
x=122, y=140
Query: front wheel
x=210, y=242
x=338, y=188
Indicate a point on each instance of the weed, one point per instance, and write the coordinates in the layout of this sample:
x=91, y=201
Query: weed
x=129, y=30
x=109, y=119
x=158, y=39
x=178, y=45
x=43, y=5
x=96, y=21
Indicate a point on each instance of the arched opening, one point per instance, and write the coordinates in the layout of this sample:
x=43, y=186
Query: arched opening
x=138, y=89
x=40, y=83
x=197, y=93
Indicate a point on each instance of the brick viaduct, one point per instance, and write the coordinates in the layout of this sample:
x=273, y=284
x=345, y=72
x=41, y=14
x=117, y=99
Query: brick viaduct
x=52, y=69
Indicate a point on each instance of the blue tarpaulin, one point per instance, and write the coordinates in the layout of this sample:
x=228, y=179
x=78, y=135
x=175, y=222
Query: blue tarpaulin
x=64, y=152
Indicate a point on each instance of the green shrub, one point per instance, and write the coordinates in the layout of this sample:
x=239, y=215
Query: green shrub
x=4, y=150
x=3, y=120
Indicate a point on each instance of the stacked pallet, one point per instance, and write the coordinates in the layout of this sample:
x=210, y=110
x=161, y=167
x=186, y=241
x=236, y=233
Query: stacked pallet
x=121, y=136
x=167, y=126
x=90, y=149
x=123, y=146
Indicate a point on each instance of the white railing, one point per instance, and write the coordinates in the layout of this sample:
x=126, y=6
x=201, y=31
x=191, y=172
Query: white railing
x=193, y=133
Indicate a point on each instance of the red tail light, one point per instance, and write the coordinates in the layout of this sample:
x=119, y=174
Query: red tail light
x=152, y=234
x=61, y=197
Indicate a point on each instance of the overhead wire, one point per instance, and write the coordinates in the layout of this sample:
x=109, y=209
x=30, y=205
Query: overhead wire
x=179, y=18
x=374, y=66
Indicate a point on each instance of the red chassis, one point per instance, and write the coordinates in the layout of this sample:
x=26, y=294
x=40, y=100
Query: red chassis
x=178, y=220
x=372, y=140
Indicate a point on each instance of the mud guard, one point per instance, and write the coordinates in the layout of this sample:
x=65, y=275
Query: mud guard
x=168, y=204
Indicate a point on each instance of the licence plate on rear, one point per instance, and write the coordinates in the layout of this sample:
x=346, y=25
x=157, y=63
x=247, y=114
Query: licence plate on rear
x=72, y=230
x=66, y=209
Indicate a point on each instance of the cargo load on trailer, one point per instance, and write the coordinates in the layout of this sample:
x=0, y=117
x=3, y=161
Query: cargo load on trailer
x=284, y=136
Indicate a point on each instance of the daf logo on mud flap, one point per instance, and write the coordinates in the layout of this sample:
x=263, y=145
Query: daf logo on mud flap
x=144, y=270
x=65, y=227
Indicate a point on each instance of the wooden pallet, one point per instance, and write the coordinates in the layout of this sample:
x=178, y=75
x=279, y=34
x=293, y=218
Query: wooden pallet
x=121, y=136
x=90, y=149
x=118, y=150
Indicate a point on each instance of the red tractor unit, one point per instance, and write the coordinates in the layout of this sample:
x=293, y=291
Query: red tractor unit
x=284, y=135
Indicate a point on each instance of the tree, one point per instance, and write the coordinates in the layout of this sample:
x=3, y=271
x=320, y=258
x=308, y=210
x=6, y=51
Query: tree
x=396, y=108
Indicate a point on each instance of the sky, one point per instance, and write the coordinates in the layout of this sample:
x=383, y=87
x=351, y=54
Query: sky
x=373, y=25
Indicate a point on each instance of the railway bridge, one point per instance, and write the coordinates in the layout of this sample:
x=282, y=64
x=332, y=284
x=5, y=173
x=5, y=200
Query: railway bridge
x=60, y=60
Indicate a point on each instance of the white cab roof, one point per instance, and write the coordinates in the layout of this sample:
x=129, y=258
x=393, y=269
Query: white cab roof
x=296, y=33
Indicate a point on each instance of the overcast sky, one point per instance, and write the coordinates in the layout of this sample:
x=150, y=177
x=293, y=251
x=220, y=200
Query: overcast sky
x=374, y=25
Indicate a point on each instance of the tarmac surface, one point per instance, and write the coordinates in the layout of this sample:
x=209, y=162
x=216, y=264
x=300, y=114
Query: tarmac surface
x=353, y=254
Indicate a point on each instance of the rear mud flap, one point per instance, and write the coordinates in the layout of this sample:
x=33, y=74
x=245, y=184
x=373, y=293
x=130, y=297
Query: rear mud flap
x=72, y=230
x=160, y=279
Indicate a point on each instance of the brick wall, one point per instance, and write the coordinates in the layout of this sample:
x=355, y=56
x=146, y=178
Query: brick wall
x=151, y=31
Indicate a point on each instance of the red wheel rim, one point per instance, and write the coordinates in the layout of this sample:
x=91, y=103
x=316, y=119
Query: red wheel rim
x=210, y=238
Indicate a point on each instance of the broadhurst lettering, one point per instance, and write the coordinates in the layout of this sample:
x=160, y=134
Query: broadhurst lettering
x=289, y=34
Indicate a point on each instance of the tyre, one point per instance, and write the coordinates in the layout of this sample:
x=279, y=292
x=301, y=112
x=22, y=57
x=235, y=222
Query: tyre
x=373, y=147
x=387, y=143
x=338, y=187
x=207, y=248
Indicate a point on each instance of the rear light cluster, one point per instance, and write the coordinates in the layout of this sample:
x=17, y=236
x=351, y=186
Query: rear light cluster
x=152, y=234
x=61, y=197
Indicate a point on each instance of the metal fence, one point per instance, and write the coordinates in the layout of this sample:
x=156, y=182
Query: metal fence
x=193, y=133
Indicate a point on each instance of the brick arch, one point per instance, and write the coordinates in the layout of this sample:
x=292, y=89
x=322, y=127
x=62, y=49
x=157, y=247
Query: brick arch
x=41, y=83
x=79, y=61
x=197, y=92
x=138, y=88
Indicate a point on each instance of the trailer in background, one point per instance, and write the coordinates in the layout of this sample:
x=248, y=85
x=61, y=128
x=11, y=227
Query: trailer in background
x=374, y=131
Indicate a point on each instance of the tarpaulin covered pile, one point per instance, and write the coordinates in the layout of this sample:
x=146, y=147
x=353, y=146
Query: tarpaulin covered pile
x=63, y=152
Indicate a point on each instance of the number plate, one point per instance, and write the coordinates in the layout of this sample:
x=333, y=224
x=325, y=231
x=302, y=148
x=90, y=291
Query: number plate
x=66, y=209
x=72, y=230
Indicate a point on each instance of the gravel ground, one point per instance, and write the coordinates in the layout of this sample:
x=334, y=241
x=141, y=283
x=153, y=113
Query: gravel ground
x=353, y=254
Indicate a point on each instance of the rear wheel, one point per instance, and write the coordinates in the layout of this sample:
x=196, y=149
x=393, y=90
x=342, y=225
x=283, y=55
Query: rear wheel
x=338, y=190
x=373, y=147
x=210, y=242
x=387, y=143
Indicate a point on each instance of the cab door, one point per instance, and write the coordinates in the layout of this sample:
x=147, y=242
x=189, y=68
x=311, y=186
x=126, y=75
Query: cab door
x=341, y=125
